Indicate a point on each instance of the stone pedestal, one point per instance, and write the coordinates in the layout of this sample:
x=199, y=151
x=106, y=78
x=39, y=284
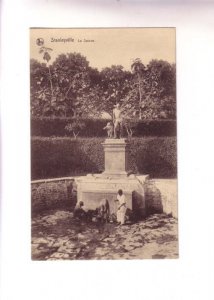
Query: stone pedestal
x=91, y=189
x=116, y=157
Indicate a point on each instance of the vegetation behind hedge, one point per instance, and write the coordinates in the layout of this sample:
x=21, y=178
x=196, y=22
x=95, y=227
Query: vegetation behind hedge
x=59, y=157
x=94, y=127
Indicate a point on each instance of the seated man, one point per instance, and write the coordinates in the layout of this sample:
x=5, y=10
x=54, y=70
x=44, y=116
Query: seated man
x=79, y=212
x=103, y=210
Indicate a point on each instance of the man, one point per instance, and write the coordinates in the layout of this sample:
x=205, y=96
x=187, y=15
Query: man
x=103, y=210
x=118, y=121
x=121, y=209
x=79, y=212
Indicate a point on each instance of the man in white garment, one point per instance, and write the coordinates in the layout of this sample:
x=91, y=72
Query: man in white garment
x=117, y=120
x=121, y=209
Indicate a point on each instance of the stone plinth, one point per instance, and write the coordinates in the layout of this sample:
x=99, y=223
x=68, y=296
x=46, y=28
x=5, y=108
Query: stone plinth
x=92, y=188
x=116, y=157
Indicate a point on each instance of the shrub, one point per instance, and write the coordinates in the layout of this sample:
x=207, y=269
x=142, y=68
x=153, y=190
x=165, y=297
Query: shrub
x=48, y=127
x=75, y=127
x=59, y=157
x=156, y=157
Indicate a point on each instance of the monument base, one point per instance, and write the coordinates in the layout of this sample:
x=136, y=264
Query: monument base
x=116, y=157
x=91, y=189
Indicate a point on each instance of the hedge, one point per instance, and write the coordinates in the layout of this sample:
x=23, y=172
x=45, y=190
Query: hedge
x=59, y=157
x=48, y=127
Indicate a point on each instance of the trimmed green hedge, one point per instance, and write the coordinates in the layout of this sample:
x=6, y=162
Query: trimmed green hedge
x=94, y=127
x=59, y=157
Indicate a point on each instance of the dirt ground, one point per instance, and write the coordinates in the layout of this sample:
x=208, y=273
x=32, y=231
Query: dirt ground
x=56, y=235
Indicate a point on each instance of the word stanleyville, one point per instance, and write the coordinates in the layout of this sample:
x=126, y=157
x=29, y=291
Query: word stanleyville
x=70, y=40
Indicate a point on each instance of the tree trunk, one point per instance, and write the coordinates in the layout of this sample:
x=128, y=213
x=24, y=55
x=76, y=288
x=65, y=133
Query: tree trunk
x=50, y=81
x=140, y=95
x=75, y=134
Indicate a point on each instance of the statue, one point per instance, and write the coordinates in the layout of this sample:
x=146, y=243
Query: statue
x=109, y=128
x=118, y=121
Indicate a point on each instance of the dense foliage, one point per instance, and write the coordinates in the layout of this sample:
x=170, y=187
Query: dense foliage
x=69, y=99
x=59, y=157
x=47, y=127
x=69, y=87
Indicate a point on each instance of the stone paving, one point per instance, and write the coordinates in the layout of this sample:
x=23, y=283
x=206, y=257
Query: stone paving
x=56, y=235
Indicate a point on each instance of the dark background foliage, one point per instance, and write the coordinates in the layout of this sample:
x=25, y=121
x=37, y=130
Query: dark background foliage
x=64, y=156
x=47, y=127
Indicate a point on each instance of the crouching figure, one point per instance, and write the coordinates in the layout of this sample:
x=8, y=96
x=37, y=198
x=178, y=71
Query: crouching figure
x=79, y=212
x=103, y=211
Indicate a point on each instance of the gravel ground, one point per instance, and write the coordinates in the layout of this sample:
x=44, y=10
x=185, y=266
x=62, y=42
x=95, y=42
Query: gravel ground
x=56, y=235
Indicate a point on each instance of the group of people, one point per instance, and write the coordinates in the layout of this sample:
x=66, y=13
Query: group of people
x=103, y=210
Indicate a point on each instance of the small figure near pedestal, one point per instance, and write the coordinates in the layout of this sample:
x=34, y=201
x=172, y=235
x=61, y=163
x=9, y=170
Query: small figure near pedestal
x=103, y=211
x=79, y=212
x=109, y=128
x=118, y=121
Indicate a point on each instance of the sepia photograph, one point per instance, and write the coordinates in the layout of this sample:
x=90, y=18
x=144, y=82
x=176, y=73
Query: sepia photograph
x=106, y=150
x=103, y=143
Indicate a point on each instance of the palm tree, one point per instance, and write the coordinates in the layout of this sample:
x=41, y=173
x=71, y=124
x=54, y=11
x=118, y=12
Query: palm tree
x=46, y=56
x=138, y=70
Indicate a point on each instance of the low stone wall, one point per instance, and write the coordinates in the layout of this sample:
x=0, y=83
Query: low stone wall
x=160, y=195
x=53, y=193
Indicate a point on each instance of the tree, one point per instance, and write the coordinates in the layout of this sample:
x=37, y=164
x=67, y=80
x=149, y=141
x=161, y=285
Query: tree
x=70, y=87
x=113, y=87
x=47, y=92
x=46, y=56
x=70, y=77
x=155, y=87
x=39, y=87
x=130, y=125
x=161, y=89
x=138, y=70
x=75, y=127
x=74, y=86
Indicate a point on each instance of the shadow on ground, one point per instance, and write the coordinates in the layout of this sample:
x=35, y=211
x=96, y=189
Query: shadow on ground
x=57, y=235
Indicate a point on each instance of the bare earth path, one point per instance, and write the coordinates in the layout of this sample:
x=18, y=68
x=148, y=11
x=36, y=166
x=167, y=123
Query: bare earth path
x=56, y=235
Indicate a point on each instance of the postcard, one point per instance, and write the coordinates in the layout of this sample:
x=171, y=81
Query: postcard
x=103, y=143
x=106, y=107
